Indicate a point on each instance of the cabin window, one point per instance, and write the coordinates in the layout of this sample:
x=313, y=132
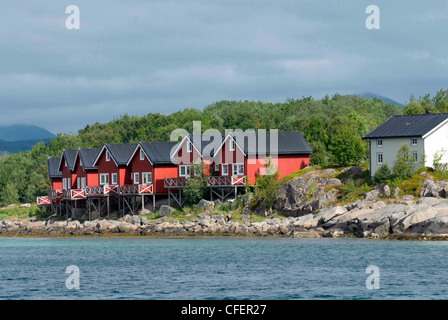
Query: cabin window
x=414, y=142
x=238, y=169
x=136, y=178
x=83, y=183
x=69, y=183
x=104, y=179
x=64, y=183
x=415, y=157
x=189, y=146
x=107, y=156
x=216, y=167
x=78, y=183
x=225, y=169
x=232, y=145
x=379, y=143
x=379, y=158
x=147, y=177
x=184, y=171
x=114, y=178
x=142, y=155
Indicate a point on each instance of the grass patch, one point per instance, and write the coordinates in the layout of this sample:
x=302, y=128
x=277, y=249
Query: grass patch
x=297, y=174
x=16, y=211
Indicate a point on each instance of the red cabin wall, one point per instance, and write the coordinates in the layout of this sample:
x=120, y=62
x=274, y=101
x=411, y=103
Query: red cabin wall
x=137, y=165
x=185, y=157
x=160, y=172
x=226, y=156
x=66, y=173
x=93, y=179
x=56, y=184
x=107, y=167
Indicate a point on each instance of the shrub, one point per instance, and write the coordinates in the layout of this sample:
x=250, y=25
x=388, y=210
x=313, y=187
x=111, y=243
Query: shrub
x=404, y=166
x=383, y=173
x=196, y=185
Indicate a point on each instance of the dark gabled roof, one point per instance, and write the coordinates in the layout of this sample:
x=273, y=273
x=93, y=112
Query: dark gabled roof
x=53, y=167
x=158, y=152
x=289, y=142
x=88, y=157
x=407, y=126
x=70, y=156
x=121, y=152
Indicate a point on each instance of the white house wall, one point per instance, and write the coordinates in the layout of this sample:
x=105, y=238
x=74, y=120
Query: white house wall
x=390, y=149
x=435, y=142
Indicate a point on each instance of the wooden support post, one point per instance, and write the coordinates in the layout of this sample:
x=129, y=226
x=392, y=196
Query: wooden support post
x=108, y=208
x=143, y=202
x=153, y=203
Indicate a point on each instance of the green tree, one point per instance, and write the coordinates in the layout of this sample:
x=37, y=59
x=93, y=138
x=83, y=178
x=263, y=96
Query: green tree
x=196, y=185
x=266, y=186
x=319, y=155
x=383, y=173
x=404, y=166
x=9, y=194
x=347, y=148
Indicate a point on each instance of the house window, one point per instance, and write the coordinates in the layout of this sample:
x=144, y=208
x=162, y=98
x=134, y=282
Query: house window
x=232, y=145
x=83, y=183
x=147, y=177
x=64, y=183
x=104, y=179
x=189, y=146
x=216, y=167
x=107, y=156
x=379, y=158
x=225, y=169
x=414, y=142
x=136, y=178
x=184, y=171
x=69, y=183
x=415, y=157
x=379, y=143
x=78, y=183
x=238, y=169
x=114, y=178
x=142, y=155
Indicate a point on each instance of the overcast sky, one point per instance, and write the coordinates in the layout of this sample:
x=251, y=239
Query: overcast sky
x=145, y=56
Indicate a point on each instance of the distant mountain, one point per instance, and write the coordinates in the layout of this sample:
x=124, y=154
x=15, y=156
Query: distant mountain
x=24, y=132
x=18, y=138
x=371, y=95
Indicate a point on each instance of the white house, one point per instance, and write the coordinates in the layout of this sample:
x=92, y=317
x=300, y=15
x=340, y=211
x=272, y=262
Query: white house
x=426, y=134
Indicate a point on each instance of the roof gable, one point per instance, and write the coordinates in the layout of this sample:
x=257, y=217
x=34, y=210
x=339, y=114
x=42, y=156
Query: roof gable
x=53, y=167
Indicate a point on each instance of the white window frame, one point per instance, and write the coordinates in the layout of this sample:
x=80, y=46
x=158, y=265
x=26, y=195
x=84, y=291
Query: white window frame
x=225, y=169
x=146, y=178
x=237, y=166
x=186, y=168
x=69, y=183
x=189, y=147
x=107, y=156
x=378, y=158
x=216, y=167
x=78, y=183
x=232, y=145
x=142, y=155
x=64, y=183
x=379, y=143
x=136, y=178
x=105, y=181
x=83, y=182
x=415, y=156
x=412, y=142
x=114, y=176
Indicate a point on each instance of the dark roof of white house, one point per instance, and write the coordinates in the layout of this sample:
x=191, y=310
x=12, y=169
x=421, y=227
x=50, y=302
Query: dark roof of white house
x=53, y=167
x=407, y=126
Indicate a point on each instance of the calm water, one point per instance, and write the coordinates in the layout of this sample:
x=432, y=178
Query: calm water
x=222, y=269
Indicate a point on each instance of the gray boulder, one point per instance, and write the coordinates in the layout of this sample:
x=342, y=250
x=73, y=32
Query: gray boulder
x=166, y=210
x=206, y=205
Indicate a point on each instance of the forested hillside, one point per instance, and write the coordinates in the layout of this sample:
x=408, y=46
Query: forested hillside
x=333, y=125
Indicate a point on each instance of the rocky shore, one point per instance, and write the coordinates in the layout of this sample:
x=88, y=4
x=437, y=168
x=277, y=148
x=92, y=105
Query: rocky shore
x=426, y=218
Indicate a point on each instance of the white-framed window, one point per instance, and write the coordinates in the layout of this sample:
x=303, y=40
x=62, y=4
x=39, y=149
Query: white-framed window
x=184, y=171
x=78, y=183
x=69, y=183
x=136, y=178
x=232, y=144
x=64, y=183
x=189, y=146
x=83, y=182
x=147, y=177
x=379, y=158
x=379, y=143
x=107, y=156
x=114, y=178
x=142, y=155
x=414, y=142
x=104, y=179
x=225, y=169
x=415, y=157
x=216, y=167
x=238, y=169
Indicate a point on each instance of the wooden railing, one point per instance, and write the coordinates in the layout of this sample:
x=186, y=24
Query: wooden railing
x=95, y=191
x=55, y=194
x=175, y=182
x=225, y=181
x=74, y=194
x=43, y=201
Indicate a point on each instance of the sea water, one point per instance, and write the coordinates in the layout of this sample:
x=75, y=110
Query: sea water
x=216, y=268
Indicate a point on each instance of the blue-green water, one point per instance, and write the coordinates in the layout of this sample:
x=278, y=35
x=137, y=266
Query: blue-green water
x=222, y=269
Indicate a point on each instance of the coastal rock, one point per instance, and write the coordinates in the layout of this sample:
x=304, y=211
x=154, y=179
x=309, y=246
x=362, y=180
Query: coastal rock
x=206, y=205
x=434, y=189
x=384, y=190
x=371, y=195
x=166, y=210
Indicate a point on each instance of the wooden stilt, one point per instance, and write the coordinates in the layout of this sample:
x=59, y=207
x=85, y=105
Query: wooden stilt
x=153, y=203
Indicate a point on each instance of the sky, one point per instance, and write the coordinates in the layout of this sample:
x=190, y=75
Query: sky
x=145, y=56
